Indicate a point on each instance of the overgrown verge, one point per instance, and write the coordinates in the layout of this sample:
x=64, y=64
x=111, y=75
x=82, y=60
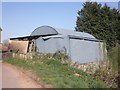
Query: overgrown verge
x=59, y=75
x=108, y=76
x=114, y=57
x=111, y=74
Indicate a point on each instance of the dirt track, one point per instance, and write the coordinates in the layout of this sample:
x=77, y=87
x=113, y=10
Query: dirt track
x=12, y=77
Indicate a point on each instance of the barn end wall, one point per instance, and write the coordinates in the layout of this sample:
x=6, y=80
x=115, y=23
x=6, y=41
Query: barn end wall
x=86, y=51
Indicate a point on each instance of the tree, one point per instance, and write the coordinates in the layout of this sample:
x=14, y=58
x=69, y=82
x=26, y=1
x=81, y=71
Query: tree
x=101, y=22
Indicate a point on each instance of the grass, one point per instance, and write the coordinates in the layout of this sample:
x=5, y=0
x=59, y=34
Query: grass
x=57, y=74
x=114, y=57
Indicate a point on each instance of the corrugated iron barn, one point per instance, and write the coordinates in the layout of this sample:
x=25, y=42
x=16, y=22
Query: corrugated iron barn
x=79, y=46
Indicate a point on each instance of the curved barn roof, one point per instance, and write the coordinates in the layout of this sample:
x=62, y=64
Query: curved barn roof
x=48, y=30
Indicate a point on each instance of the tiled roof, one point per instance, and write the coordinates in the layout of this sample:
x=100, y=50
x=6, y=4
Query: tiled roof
x=3, y=48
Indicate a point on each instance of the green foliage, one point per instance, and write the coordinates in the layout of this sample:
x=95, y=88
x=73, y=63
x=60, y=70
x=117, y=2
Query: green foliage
x=101, y=22
x=114, y=57
x=17, y=61
x=57, y=74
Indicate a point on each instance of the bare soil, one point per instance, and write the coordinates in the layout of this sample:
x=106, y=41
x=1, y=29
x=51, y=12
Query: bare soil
x=15, y=77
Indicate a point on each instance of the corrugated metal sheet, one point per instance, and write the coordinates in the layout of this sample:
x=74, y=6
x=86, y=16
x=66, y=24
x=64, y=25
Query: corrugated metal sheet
x=51, y=45
x=44, y=30
x=47, y=30
x=84, y=51
x=74, y=33
x=54, y=36
x=79, y=46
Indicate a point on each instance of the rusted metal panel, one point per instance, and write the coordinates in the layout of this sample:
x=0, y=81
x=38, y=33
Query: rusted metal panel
x=18, y=46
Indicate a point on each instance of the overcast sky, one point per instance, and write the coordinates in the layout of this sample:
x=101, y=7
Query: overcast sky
x=21, y=18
